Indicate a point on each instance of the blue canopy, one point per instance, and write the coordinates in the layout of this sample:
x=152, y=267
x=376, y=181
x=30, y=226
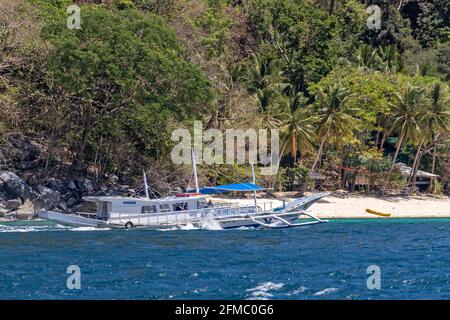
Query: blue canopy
x=230, y=188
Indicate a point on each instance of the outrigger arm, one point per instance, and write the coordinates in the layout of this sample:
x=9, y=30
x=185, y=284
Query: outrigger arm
x=287, y=224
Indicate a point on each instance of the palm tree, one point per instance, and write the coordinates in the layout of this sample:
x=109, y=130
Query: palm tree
x=264, y=81
x=406, y=115
x=272, y=106
x=336, y=123
x=435, y=120
x=263, y=73
x=297, y=130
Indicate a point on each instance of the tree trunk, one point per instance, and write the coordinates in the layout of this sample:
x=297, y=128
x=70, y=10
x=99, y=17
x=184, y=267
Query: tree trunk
x=433, y=168
x=342, y=173
x=319, y=153
x=278, y=164
x=85, y=135
x=399, y=144
x=415, y=166
x=414, y=177
x=293, y=139
x=377, y=138
x=331, y=7
x=383, y=139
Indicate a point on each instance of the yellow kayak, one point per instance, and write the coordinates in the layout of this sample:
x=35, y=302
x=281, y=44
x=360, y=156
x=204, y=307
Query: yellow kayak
x=378, y=213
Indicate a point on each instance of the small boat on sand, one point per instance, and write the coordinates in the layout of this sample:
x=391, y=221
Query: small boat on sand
x=381, y=214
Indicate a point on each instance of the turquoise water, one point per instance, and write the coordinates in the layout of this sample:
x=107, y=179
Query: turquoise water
x=327, y=261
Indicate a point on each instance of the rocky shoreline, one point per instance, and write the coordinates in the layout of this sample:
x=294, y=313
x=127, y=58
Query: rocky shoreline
x=20, y=200
x=27, y=186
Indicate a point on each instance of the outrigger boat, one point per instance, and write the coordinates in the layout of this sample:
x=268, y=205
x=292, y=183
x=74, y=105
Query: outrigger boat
x=189, y=209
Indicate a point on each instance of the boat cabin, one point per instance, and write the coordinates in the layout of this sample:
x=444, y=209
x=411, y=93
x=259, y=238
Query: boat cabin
x=107, y=205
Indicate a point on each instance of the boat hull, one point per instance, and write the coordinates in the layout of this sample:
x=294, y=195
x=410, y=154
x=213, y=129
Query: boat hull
x=224, y=223
x=71, y=220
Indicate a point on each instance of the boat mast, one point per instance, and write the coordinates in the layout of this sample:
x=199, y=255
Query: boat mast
x=145, y=185
x=254, y=182
x=194, y=169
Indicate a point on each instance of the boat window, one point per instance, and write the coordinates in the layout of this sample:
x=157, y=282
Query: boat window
x=202, y=204
x=180, y=206
x=165, y=207
x=148, y=209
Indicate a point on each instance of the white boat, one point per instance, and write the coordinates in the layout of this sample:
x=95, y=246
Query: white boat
x=189, y=209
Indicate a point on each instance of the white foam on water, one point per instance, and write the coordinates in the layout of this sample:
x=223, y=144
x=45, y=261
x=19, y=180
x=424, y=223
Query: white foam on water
x=261, y=292
x=297, y=291
x=31, y=228
x=245, y=228
x=209, y=223
x=326, y=291
x=189, y=226
x=88, y=229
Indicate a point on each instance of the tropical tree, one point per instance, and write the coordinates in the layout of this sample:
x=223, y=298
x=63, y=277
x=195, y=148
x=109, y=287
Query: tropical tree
x=406, y=115
x=435, y=121
x=272, y=106
x=263, y=72
x=336, y=122
x=125, y=76
x=298, y=130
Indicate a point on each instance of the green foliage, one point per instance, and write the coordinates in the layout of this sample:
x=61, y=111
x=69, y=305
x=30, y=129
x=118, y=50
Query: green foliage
x=395, y=29
x=126, y=73
x=305, y=37
x=216, y=25
x=111, y=92
x=295, y=178
x=165, y=8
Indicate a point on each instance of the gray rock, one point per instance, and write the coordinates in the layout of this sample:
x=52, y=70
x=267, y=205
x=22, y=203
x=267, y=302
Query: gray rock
x=85, y=185
x=71, y=201
x=71, y=186
x=14, y=187
x=26, y=165
x=48, y=198
x=113, y=179
x=55, y=185
x=13, y=204
x=24, y=150
x=62, y=205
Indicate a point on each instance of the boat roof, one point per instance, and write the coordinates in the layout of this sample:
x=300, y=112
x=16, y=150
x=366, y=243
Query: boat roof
x=235, y=187
x=157, y=200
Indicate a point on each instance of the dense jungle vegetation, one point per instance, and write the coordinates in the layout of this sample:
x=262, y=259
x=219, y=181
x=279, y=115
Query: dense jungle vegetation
x=103, y=100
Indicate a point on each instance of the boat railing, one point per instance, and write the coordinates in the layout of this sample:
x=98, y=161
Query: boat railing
x=87, y=214
x=183, y=217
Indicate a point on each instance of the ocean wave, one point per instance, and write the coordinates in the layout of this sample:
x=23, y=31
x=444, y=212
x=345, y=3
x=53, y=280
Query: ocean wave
x=262, y=291
x=325, y=291
x=206, y=224
x=297, y=291
x=88, y=229
x=30, y=228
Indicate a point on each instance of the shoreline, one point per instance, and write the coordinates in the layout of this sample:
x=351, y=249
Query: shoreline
x=353, y=206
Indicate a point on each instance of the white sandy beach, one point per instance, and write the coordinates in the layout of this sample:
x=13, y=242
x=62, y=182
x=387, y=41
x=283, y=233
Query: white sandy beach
x=345, y=205
x=342, y=205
